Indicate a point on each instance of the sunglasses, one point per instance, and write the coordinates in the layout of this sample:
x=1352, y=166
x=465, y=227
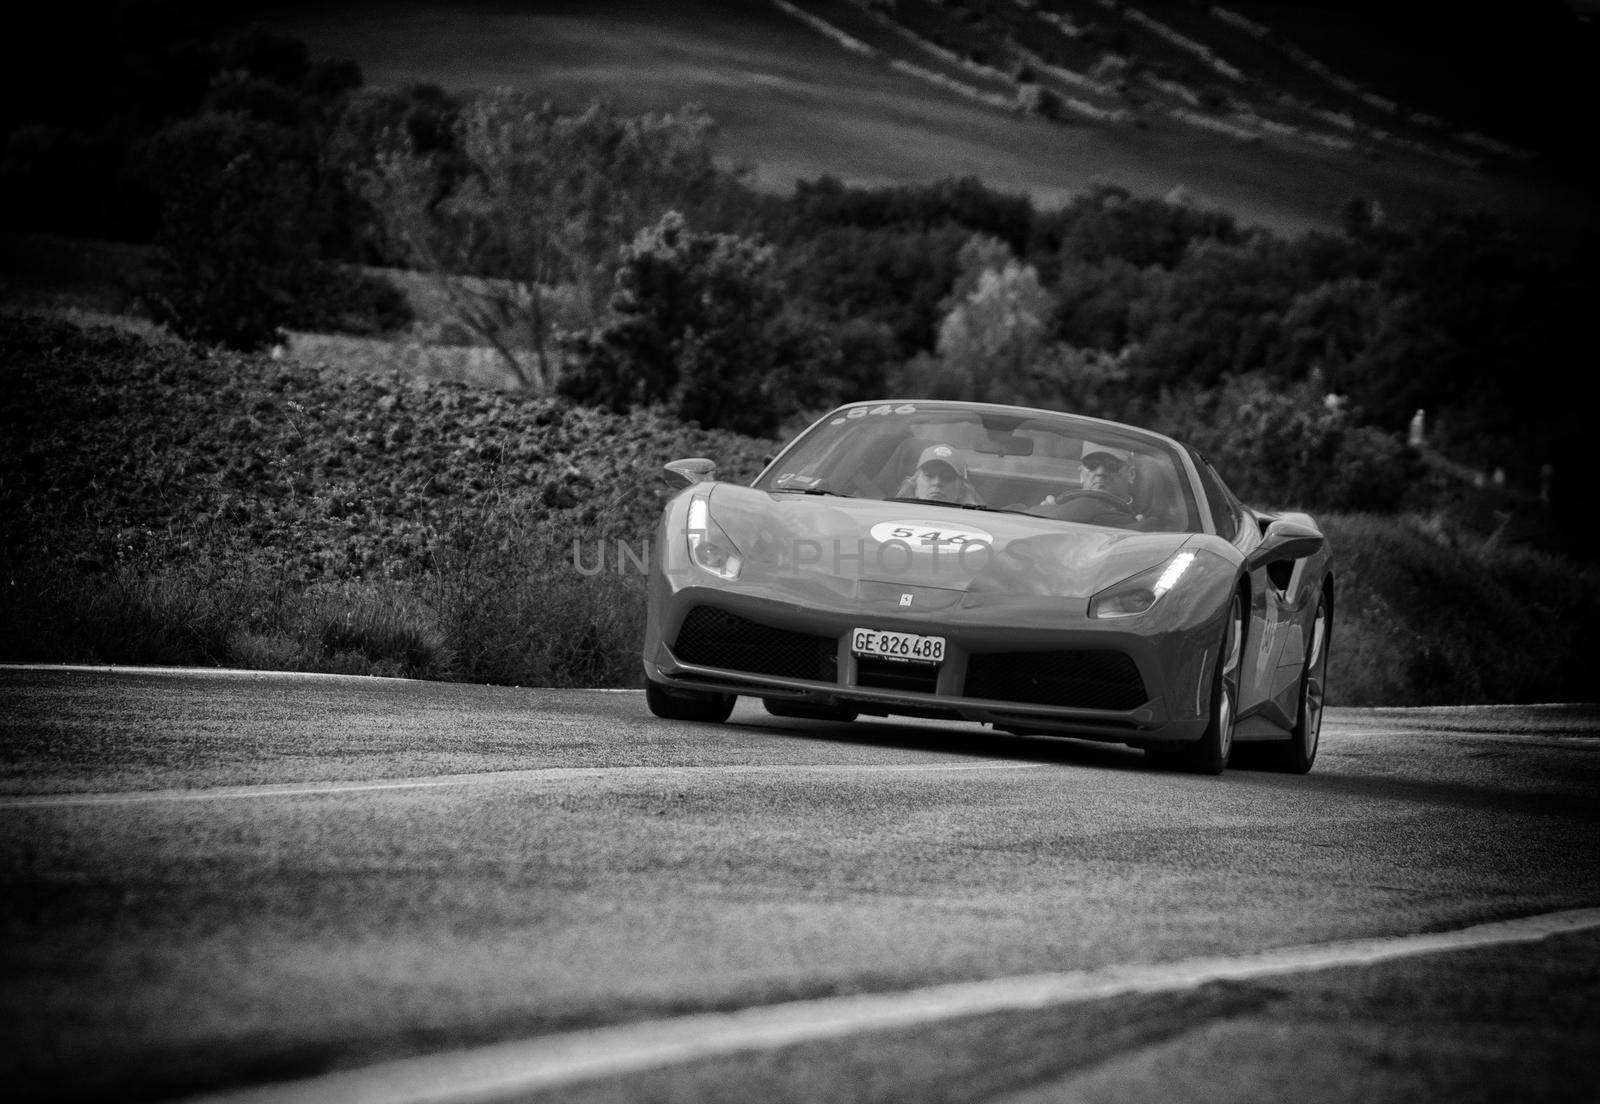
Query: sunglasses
x=1105, y=463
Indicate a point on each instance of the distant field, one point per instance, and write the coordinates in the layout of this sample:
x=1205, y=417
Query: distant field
x=793, y=104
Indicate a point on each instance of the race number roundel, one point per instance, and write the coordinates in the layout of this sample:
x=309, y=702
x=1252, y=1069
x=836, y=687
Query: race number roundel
x=928, y=536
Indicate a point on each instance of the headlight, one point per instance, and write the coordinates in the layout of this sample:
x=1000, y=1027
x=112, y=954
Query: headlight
x=709, y=546
x=1138, y=594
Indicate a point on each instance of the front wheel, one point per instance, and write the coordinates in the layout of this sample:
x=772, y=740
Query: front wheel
x=1297, y=754
x=688, y=705
x=1209, y=755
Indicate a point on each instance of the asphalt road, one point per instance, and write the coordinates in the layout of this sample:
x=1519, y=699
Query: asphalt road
x=212, y=880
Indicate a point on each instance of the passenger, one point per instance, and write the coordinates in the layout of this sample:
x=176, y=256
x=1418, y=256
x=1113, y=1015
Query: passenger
x=940, y=476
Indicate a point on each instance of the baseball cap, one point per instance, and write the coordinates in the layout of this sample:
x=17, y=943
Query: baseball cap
x=1090, y=449
x=945, y=455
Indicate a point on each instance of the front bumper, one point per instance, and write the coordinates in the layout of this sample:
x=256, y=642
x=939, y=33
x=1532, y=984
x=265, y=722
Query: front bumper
x=1024, y=669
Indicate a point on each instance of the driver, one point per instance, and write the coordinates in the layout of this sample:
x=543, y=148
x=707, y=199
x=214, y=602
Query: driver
x=1107, y=494
x=1108, y=470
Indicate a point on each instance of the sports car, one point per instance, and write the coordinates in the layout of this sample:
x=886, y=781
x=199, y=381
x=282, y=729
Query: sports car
x=1040, y=572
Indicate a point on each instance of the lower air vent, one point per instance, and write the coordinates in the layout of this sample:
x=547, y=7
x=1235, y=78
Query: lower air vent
x=1080, y=680
x=714, y=638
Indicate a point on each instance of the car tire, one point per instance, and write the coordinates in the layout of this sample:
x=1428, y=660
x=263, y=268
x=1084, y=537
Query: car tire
x=1209, y=754
x=688, y=705
x=782, y=707
x=1296, y=755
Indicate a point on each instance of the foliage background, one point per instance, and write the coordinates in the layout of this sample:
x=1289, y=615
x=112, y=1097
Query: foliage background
x=167, y=505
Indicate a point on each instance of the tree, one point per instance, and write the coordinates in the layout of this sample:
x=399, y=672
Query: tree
x=700, y=323
x=236, y=247
x=1289, y=446
x=1217, y=313
x=997, y=325
x=1110, y=221
x=896, y=277
x=265, y=55
x=368, y=125
x=965, y=202
x=1480, y=328
x=535, y=199
x=1096, y=300
x=1330, y=327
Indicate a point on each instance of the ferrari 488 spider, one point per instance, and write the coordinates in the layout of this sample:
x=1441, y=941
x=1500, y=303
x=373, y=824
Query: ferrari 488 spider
x=1040, y=572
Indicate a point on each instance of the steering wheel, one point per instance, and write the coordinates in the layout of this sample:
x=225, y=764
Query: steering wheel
x=1104, y=496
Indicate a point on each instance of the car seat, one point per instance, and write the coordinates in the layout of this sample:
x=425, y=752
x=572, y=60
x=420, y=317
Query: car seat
x=1155, y=495
x=872, y=468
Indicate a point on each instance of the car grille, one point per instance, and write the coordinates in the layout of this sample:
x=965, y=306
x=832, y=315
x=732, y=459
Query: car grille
x=889, y=674
x=715, y=638
x=1080, y=680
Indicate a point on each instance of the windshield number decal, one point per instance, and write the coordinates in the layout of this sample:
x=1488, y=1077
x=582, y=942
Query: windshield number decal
x=876, y=411
x=925, y=536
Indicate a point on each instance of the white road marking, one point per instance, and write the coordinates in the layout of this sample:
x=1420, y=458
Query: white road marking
x=548, y=774
x=199, y=672
x=257, y=674
x=506, y=1069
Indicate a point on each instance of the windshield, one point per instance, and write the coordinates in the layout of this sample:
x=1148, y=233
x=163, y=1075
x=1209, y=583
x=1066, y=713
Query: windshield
x=1040, y=463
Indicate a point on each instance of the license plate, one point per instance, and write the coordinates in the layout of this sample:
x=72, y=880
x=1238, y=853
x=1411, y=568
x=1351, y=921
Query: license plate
x=908, y=647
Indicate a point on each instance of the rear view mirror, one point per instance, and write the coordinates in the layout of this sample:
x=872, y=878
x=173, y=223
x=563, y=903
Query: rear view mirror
x=1007, y=444
x=696, y=469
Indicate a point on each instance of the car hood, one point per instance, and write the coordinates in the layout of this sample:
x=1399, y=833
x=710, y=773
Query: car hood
x=927, y=546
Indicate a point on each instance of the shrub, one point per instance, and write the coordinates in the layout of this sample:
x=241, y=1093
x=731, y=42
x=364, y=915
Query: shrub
x=1426, y=618
x=522, y=613
x=700, y=323
x=363, y=627
x=236, y=245
x=1043, y=102
x=895, y=276
x=132, y=614
x=1290, y=447
x=959, y=202
x=533, y=197
x=1110, y=222
x=166, y=506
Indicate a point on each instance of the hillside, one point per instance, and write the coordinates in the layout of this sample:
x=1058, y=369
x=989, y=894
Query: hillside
x=163, y=505
x=117, y=445
x=1278, y=113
